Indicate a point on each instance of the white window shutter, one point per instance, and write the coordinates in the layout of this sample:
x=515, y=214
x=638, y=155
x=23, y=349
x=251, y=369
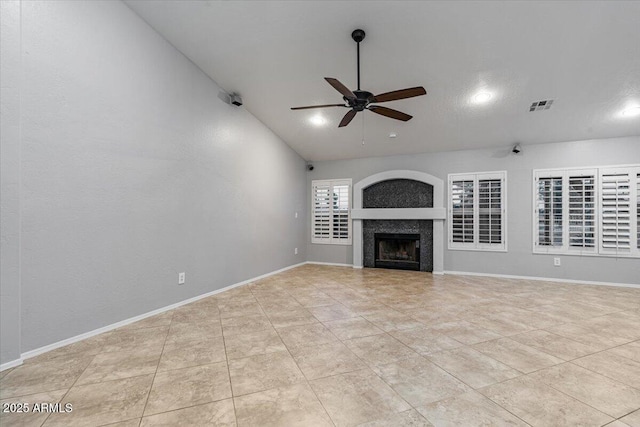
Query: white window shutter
x=462, y=207
x=582, y=202
x=619, y=211
x=331, y=212
x=549, y=211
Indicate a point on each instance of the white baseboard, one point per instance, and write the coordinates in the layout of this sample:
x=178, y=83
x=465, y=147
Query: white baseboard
x=544, y=279
x=335, y=264
x=46, y=348
x=11, y=364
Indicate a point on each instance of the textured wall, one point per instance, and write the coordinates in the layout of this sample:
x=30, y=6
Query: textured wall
x=134, y=170
x=519, y=260
x=398, y=193
x=9, y=181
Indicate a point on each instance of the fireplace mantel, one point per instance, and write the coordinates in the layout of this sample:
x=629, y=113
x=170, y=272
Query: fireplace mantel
x=437, y=213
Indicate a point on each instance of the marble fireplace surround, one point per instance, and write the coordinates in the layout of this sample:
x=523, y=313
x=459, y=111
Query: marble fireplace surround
x=437, y=213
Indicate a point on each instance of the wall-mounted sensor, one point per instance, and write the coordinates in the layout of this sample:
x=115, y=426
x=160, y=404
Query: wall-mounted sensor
x=235, y=99
x=310, y=167
x=516, y=149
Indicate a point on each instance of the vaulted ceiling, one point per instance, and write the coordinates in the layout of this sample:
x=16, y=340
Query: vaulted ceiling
x=583, y=55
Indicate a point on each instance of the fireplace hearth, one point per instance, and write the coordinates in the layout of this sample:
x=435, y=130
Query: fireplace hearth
x=398, y=251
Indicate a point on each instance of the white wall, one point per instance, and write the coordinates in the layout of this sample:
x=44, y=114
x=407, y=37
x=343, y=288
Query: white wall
x=134, y=170
x=9, y=181
x=519, y=259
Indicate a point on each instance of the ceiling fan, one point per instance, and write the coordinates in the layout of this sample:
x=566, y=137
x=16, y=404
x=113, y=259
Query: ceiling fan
x=360, y=100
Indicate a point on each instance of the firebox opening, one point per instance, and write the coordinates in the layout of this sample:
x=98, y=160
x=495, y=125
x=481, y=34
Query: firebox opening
x=399, y=251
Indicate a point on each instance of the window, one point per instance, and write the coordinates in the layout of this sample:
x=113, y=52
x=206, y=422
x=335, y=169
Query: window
x=331, y=212
x=477, y=207
x=587, y=211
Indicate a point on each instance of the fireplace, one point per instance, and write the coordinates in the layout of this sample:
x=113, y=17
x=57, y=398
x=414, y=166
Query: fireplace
x=399, y=251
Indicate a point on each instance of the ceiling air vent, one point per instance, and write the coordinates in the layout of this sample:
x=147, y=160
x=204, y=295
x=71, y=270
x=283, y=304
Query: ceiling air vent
x=541, y=105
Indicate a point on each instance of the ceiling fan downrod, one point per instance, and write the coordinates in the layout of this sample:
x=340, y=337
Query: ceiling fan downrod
x=358, y=36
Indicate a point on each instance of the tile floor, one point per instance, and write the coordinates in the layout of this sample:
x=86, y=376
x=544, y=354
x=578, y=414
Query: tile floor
x=325, y=346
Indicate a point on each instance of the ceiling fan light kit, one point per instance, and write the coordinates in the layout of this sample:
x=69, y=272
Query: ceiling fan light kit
x=360, y=100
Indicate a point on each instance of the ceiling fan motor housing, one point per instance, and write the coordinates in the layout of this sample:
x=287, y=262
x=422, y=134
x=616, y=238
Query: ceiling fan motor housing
x=362, y=99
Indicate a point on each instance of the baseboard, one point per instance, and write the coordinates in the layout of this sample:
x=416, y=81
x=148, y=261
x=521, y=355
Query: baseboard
x=544, y=279
x=12, y=364
x=46, y=348
x=335, y=264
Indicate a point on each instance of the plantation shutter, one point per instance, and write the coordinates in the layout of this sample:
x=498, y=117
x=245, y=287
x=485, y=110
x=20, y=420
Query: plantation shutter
x=462, y=211
x=321, y=212
x=582, y=210
x=341, y=212
x=549, y=211
x=477, y=211
x=490, y=211
x=619, y=206
x=331, y=213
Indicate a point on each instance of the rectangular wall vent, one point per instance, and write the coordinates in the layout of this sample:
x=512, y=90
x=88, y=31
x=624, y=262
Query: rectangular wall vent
x=541, y=105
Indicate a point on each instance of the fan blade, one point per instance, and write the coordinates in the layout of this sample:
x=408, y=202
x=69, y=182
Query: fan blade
x=318, y=106
x=340, y=88
x=400, y=94
x=394, y=114
x=347, y=118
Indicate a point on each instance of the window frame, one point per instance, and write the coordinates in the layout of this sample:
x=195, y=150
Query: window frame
x=476, y=245
x=597, y=172
x=331, y=240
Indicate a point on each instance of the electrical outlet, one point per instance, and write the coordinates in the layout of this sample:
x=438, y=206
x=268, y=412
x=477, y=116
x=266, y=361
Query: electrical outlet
x=181, y=278
x=556, y=262
x=295, y=251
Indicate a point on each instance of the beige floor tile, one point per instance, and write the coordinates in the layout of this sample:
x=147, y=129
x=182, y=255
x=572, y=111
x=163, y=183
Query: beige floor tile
x=163, y=319
x=323, y=360
x=519, y=356
x=633, y=419
x=355, y=327
x=357, y=397
x=5, y=372
x=502, y=324
x=419, y=381
x=30, y=417
x=611, y=365
x=251, y=344
x=102, y=403
x=122, y=340
x=188, y=331
x=286, y=318
x=194, y=352
x=630, y=351
x=88, y=347
x=306, y=335
x=410, y=418
x=540, y=405
x=262, y=372
x=556, y=345
x=469, y=410
x=121, y=364
x=186, y=387
x=294, y=405
x=244, y=324
x=313, y=299
x=134, y=422
x=327, y=313
x=239, y=308
x=392, y=320
x=220, y=414
x=472, y=367
x=379, y=349
x=425, y=340
x=34, y=378
x=465, y=332
x=604, y=394
x=588, y=335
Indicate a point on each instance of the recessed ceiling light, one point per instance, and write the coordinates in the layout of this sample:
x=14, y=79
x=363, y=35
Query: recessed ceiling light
x=317, y=120
x=631, y=112
x=482, y=97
